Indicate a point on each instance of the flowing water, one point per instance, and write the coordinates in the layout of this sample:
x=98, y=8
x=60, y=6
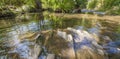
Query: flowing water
x=17, y=35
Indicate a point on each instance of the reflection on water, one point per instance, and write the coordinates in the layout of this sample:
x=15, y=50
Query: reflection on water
x=13, y=30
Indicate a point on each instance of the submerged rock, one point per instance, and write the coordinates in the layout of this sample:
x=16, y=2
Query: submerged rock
x=50, y=56
x=24, y=47
x=100, y=13
x=86, y=46
x=26, y=50
x=31, y=36
x=77, y=43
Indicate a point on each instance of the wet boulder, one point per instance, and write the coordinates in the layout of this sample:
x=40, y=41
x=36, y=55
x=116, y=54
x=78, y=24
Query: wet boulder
x=24, y=47
x=78, y=43
x=87, y=11
x=100, y=13
x=51, y=56
x=78, y=10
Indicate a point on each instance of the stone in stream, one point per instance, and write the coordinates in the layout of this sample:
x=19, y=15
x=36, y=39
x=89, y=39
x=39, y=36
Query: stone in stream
x=100, y=13
x=85, y=45
x=3, y=57
x=77, y=43
x=26, y=51
x=72, y=43
x=88, y=11
x=81, y=44
x=25, y=48
x=29, y=36
x=60, y=46
x=51, y=56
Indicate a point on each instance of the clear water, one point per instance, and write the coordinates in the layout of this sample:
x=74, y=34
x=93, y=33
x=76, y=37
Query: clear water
x=12, y=29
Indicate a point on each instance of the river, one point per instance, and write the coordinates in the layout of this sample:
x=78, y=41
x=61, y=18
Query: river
x=17, y=33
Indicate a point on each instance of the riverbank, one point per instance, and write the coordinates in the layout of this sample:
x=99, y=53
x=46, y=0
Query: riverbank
x=89, y=16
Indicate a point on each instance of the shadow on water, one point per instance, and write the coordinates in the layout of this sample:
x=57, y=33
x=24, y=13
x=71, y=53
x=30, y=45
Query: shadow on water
x=14, y=30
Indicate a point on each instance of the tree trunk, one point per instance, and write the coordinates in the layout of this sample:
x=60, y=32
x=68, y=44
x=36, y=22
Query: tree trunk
x=38, y=5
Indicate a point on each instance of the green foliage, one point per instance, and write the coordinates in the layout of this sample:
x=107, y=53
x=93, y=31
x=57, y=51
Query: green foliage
x=58, y=4
x=56, y=22
x=17, y=2
x=112, y=6
x=91, y=4
x=19, y=5
x=12, y=2
x=81, y=3
x=109, y=6
x=63, y=4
